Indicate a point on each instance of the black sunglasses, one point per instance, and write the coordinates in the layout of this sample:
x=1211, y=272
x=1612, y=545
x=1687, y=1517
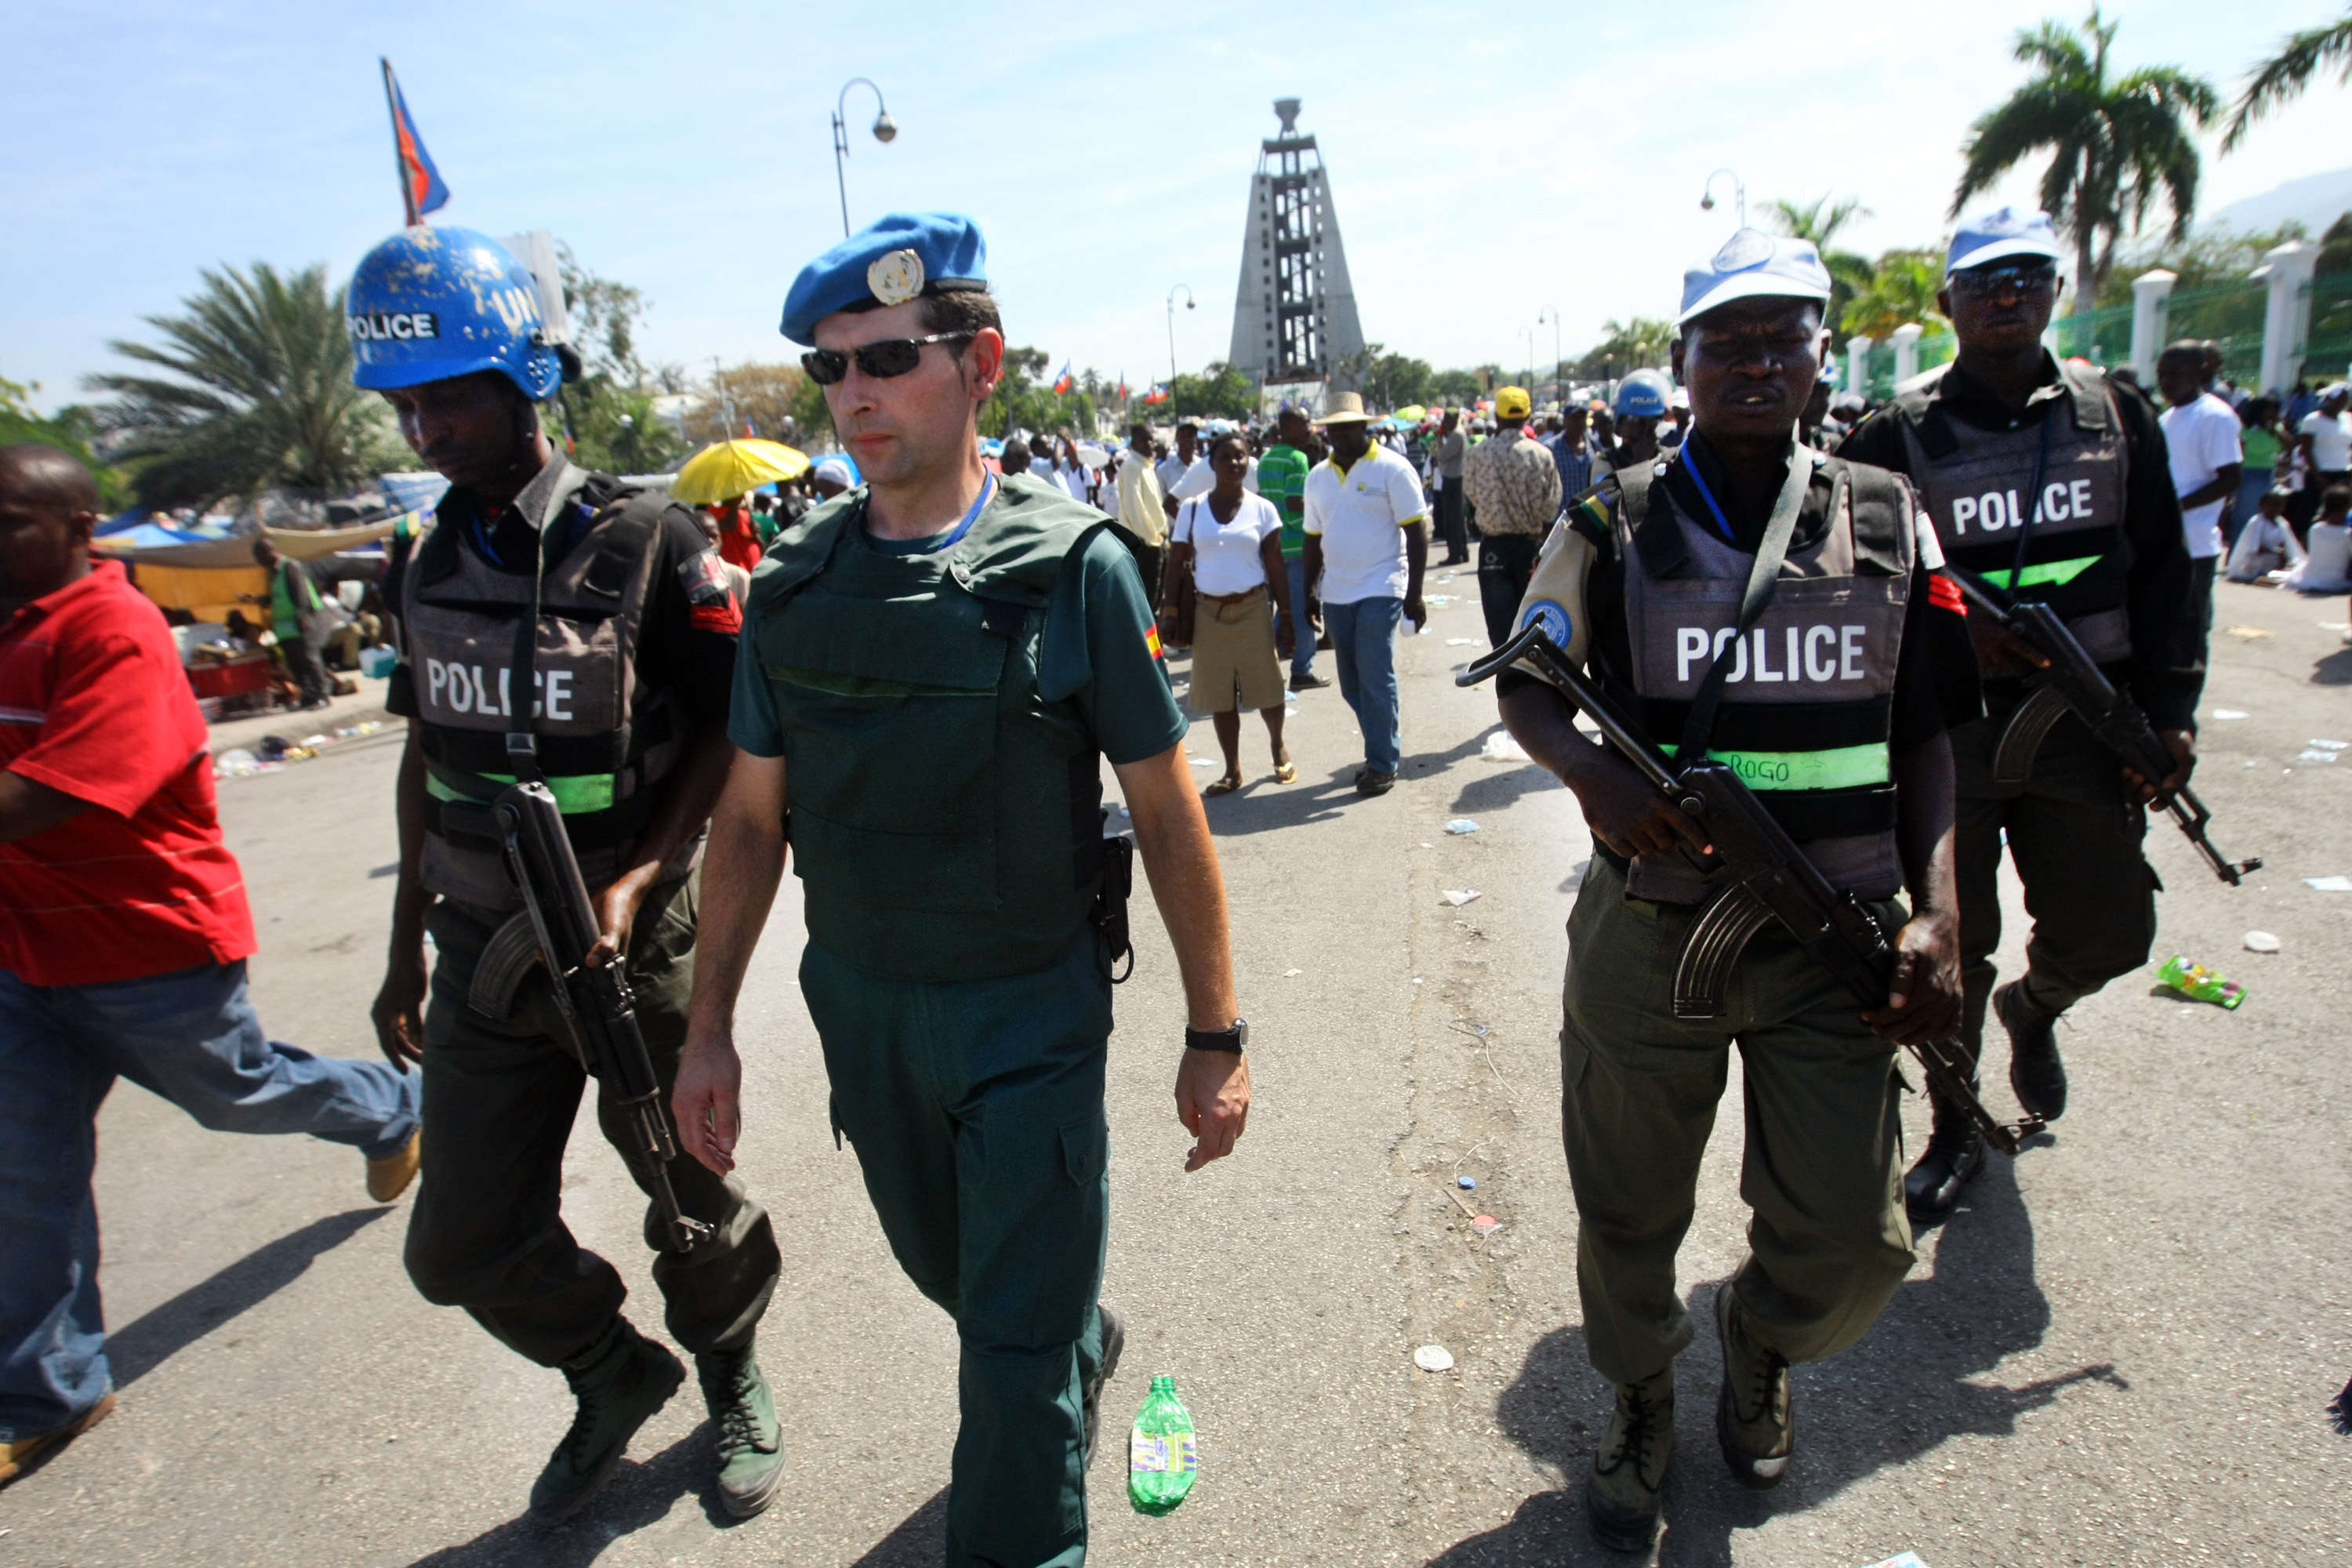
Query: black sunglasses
x=889, y=357
x=1982, y=282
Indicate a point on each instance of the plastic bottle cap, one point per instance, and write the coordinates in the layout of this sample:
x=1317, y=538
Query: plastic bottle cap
x=1433, y=1358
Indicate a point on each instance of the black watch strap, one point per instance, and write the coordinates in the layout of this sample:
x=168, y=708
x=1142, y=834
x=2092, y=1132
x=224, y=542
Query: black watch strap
x=1234, y=1040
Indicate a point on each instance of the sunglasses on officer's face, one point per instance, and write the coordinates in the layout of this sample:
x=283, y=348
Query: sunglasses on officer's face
x=1984, y=282
x=889, y=357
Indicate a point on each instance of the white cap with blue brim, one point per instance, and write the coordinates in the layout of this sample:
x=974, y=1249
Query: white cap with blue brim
x=1752, y=263
x=2002, y=236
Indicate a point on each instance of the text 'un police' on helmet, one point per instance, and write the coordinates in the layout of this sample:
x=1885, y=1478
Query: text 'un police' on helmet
x=430, y=304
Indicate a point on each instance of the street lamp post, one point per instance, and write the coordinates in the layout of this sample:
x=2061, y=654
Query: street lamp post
x=1528, y=334
x=1739, y=190
x=886, y=130
x=1551, y=313
x=1187, y=293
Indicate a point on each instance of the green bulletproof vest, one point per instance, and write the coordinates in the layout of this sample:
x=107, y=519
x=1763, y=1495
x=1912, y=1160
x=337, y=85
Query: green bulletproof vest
x=945, y=810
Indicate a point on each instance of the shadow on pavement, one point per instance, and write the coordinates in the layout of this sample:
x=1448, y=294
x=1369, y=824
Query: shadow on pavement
x=164, y=1331
x=636, y=1495
x=916, y=1543
x=1504, y=785
x=2335, y=669
x=1916, y=1380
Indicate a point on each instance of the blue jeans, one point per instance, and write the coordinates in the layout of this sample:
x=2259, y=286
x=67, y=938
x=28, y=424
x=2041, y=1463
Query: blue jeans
x=1302, y=653
x=190, y=1037
x=1363, y=637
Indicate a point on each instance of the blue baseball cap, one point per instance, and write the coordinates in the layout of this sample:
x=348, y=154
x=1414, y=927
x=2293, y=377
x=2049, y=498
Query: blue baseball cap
x=1753, y=263
x=1999, y=235
x=897, y=258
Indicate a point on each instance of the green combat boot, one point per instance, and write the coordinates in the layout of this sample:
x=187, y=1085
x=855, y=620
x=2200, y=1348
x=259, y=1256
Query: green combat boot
x=1114, y=1340
x=744, y=1428
x=1752, y=1419
x=1629, y=1469
x=620, y=1382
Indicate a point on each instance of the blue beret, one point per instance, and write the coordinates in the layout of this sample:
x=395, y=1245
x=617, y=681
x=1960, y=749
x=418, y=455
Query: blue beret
x=2001, y=236
x=1752, y=263
x=897, y=258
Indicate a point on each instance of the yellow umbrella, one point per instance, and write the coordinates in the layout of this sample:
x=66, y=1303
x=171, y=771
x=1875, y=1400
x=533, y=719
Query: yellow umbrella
x=1411, y=413
x=736, y=467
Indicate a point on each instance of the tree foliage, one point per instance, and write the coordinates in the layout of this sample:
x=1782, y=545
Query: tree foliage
x=1637, y=344
x=1394, y=381
x=257, y=394
x=74, y=429
x=764, y=400
x=1901, y=289
x=1024, y=400
x=1821, y=221
x=1219, y=392
x=2118, y=145
x=609, y=411
x=2202, y=259
x=2286, y=74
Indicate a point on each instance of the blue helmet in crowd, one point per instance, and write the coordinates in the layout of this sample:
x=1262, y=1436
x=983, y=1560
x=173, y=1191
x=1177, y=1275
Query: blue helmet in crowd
x=1644, y=395
x=430, y=304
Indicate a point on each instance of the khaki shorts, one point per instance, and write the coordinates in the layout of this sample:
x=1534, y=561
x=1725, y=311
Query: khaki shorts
x=1233, y=656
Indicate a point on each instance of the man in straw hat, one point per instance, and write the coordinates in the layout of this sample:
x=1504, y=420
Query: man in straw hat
x=1368, y=545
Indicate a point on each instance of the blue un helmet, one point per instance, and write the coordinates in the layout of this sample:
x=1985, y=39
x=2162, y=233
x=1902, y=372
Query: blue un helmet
x=1644, y=395
x=430, y=304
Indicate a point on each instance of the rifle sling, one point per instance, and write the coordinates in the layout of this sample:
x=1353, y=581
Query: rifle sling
x=1763, y=577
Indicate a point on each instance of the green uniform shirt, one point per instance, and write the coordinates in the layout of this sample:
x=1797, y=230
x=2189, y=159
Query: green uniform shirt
x=1282, y=479
x=1122, y=694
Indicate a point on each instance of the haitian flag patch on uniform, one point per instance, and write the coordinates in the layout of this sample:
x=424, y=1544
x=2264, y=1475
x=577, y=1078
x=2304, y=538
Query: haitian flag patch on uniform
x=710, y=603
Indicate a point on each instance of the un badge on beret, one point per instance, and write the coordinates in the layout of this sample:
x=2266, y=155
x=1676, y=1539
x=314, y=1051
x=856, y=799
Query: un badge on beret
x=896, y=276
x=1742, y=251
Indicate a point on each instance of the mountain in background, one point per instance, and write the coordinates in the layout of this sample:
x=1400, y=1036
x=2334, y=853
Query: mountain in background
x=2315, y=201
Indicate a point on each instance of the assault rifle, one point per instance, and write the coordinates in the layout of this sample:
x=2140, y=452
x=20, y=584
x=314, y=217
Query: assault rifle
x=595, y=1001
x=2069, y=682
x=1770, y=879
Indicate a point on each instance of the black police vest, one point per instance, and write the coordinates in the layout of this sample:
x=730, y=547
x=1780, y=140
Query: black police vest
x=606, y=738
x=1979, y=486
x=1806, y=716
x=945, y=807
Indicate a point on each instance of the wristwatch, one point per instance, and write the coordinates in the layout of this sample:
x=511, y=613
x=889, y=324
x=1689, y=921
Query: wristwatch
x=1234, y=1040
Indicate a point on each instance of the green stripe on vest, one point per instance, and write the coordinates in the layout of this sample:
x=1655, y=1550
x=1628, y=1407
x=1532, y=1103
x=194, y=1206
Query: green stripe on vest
x=2049, y=571
x=1841, y=767
x=575, y=795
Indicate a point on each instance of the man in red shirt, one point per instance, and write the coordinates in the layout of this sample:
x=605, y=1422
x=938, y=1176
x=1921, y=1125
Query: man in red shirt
x=123, y=938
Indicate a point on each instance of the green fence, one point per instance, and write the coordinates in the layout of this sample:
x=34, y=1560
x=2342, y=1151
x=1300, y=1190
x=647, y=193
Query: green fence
x=2327, y=345
x=1938, y=348
x=2229, y=314
x=2102, y=337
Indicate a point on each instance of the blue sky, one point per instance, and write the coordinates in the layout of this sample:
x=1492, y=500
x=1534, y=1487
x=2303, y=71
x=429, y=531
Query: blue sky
x=1486, y=167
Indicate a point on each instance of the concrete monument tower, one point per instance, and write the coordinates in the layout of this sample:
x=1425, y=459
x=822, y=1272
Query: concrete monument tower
x=1294, y=313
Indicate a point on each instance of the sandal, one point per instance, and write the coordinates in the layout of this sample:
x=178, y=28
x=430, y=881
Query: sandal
x=1286, y=773
x=1223, y=786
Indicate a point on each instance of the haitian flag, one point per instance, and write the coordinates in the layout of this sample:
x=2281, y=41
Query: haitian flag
x=421, y=190
x=1062, y=383
x=1159, y=393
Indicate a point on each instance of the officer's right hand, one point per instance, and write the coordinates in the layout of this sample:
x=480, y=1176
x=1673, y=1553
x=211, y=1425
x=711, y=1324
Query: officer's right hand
x=1627, y=814
x=704, y=1102
x=398, y=1011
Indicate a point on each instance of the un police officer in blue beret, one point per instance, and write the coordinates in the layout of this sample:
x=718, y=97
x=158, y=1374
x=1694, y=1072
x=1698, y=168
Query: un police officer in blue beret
x=934, y=667
x=1831, y=695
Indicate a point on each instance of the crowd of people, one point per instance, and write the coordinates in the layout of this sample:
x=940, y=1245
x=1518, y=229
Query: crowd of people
x=906, y=674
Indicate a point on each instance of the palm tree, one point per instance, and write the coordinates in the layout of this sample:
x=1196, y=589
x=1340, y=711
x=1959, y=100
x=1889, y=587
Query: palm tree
x=2285, y=74
x=1901, y=289
x=1820, y=221
x=263, y=396
x=2116, y=143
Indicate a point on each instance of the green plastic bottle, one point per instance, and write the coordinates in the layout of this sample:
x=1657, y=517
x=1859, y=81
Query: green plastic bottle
x=2201, y=984
x=1161, y=1459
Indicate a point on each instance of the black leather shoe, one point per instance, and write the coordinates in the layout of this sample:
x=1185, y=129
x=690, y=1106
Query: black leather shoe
x=1955, y=1154
x=2035, y=1072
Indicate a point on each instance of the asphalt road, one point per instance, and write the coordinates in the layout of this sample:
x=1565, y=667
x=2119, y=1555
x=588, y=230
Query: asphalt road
x=2117, y=1354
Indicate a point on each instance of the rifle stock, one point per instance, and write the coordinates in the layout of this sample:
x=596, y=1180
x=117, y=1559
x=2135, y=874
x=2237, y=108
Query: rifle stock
x=1771, y=880
x=2114, y=720
x=595, y=1001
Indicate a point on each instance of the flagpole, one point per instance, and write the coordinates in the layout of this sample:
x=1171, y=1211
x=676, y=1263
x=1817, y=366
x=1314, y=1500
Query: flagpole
x=399, y=164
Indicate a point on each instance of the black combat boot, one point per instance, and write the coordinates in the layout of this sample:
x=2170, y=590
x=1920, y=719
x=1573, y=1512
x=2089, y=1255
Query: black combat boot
x=1955, y=1154
x=2034, y=1071
x=1629, y=1469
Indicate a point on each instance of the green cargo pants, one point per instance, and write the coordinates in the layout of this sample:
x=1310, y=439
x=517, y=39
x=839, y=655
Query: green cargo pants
x=500, y=1095
x=1828, y=1242
x=2076, y=835
x=976, y=1108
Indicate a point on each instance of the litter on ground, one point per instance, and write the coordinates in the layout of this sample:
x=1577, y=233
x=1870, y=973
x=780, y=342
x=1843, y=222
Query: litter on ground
x=1457, y=897
x=1460, y=826
x=1501, y=747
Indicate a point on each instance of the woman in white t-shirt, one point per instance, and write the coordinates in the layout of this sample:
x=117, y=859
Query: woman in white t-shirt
x=1234, y=540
